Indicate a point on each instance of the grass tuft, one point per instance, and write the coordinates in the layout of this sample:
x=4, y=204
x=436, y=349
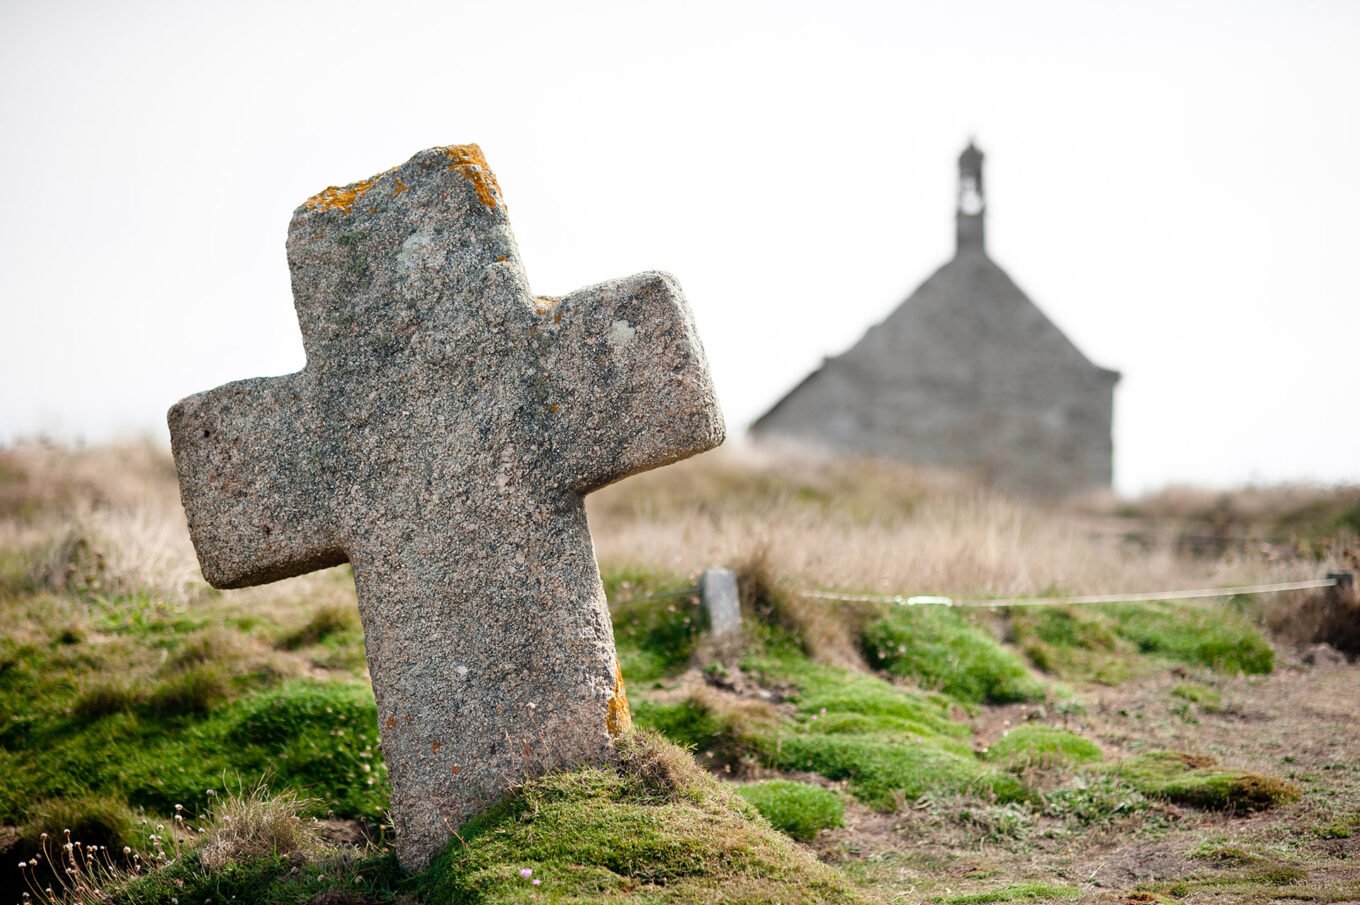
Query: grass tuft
x=327, y=622
x=1206, y=697
x=193, y=691
x=105, y=696
x=254, y=824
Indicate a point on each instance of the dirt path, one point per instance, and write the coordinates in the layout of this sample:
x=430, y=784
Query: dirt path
x=1299, y=723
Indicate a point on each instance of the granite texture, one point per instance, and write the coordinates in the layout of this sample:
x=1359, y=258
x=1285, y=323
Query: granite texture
x=440, y=439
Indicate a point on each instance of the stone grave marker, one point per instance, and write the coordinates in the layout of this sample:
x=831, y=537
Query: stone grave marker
x=722, y=601
x=441, y=438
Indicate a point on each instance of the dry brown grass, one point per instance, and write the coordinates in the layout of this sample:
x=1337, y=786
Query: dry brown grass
x=887, y=528
x=108, y=519
x=256, y=824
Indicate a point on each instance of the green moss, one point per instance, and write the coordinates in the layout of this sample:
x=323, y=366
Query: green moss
x=795, y=808
x=1103, y=644
x=686, y=722
x=884, y=770
x=1036, y=744
x=91, y=820
x=889, y=743
x=940, y=649
x=652, y=829
x=318, y=738
x=1196, y=634
x=643, y=833
x=1197, y=782
x=1074, y=644
x=1016, y=892
x=856, y=703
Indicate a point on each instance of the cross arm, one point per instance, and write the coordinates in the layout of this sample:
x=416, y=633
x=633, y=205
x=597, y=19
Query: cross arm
x=628, y=383
x=253, y=482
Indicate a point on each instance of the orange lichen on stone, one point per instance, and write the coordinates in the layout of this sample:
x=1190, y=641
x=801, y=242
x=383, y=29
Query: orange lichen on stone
x=339, y=199
x=618, y=718
x=471, y=163
x=434, y=749
x=453, y=768
x=546, y=304
x=400, y=187
x=391, y=723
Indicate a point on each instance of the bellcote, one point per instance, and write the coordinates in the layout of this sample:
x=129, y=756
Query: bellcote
x=972, y=204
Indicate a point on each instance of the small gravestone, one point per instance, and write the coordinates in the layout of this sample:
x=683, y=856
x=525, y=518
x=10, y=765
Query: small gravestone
x=440, y=439
x=722, y=603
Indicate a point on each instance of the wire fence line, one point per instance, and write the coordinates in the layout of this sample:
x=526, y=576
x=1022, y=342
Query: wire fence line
x=1332, y=581
x=659, y=595
x=1145, y=597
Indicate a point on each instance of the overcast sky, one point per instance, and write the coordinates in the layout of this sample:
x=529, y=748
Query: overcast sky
x=1175, y=184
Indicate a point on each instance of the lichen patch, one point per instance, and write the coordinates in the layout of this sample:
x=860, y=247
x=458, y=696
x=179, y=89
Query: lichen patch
x=338, y=198
x=618, y=718
x=621, y=333
x=471, y=164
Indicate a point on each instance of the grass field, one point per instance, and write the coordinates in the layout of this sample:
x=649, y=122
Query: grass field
x=201, y=745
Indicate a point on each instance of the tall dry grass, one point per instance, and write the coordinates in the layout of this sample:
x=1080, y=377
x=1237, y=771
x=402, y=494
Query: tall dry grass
x=884, y=527
x=110, y=517
x=107, y=521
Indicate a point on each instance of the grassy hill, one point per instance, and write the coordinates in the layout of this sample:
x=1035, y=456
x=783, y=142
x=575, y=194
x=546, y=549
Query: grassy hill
x=206, y=745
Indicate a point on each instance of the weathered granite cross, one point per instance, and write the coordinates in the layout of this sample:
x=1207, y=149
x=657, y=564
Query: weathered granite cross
x=440, y=439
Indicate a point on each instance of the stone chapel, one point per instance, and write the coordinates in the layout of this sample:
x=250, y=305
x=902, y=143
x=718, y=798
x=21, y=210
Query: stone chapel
x=966, y=374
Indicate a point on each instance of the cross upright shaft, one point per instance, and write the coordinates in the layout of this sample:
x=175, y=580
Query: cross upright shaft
x=441, y=438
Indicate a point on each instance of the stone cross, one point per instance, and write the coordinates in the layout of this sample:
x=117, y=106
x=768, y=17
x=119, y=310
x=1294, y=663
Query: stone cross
x=440, y=439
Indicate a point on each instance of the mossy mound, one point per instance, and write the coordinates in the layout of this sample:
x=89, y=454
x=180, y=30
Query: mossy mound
x=798, y=809
x=1109, y=644
x=317, y=736
x=1016, y=892
x=1038, y=745
x=889, y=744
x=1198, y=782
x=941, y=650
x=654, y=828
x=657, y=829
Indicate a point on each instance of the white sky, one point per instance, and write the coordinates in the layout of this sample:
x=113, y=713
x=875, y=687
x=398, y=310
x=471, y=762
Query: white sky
x=1175, y=184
